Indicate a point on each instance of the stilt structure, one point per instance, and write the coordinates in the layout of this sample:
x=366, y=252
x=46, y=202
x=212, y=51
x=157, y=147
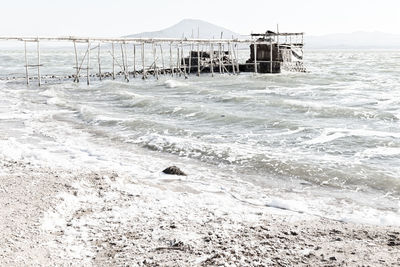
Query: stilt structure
x=269, y=53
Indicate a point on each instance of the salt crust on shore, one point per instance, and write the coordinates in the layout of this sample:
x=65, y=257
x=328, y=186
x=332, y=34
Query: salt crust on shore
x=60, y=217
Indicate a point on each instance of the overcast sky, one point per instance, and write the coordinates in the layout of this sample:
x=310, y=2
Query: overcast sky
x=114, y=18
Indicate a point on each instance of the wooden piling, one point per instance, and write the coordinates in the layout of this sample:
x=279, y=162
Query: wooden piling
x=76, y=64
x=26, y=66
x=237, y=58
x=231, y=57
x=178, y=62
x=212, y=59
x=126, y=63
x=144, y=69
x=219, y=58
x=38, y=62
x=190, y=57
x=170, y=59
x=162, y=59
x=255, y=57
x=184, y=61
x=270, y=55
x=98, y=60
x=198, y=60
x=134, y=61
x=88, y=63
x=113, y=60
x=155, y=61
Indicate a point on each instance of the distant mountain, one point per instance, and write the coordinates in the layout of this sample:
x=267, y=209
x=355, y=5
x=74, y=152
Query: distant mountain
x=188, y=28
x=355, y=40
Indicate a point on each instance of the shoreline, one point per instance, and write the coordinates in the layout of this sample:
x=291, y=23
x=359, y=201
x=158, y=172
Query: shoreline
x=58, y=217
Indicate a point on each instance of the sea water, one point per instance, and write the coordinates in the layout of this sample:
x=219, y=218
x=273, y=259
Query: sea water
x=325, y=142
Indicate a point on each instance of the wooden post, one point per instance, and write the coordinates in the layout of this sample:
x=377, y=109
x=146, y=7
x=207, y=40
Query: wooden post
x=270, y=55
x=178, y=62
x=184, y=62
x=212, y=59
x=155, y=59
x=26, y=66
x=76, y=64
x=237, y=58
x=123, y=62
x=98, y=60
x=231, y=57
x=170, y=59
x=198, y=59
x=255, y=57
x=113, y=61
x=88, y=64
x=190, y=57
x=126, y=63
x=162, y=59
x=144, y=70
x=134, y=61
x=277, y=41
x=38, y=63
x=219, y=59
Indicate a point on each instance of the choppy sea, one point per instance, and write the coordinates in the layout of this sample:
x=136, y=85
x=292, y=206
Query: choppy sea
x=325, y=142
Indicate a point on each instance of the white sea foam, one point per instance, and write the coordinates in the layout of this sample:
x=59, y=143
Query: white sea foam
x=174, y=83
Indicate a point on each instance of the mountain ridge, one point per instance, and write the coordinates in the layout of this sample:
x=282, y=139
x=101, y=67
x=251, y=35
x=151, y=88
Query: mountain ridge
x=188, y=28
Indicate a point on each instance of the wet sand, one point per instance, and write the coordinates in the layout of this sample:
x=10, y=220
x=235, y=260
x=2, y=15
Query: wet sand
x=59, y=217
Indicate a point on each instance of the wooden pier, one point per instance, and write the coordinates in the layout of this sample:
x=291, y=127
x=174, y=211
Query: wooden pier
x=269, y=52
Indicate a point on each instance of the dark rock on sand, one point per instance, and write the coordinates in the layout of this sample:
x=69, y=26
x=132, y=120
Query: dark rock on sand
x=173, y=170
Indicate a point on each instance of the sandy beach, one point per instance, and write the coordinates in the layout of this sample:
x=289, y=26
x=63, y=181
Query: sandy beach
x=53, y=217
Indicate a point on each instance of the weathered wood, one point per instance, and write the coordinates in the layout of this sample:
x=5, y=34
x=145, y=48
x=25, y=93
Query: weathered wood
x=198, y=60
x=26, y=66
x=219, y=59
x=143, y=61
x=212, y=59
x=134, y=61
x=76, y=64
x=38, y=63
x=113, y=61
x=98, y=60
x=184, y=61
x=270, y=55
x=255, y=57
x=88, y=63
x=170, y=59
x=126, y=63
x=155, y=61
x=190, y=57
x=231, y=57
x=162, y=59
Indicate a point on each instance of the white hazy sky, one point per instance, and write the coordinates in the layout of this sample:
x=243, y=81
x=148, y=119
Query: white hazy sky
x=121, y=17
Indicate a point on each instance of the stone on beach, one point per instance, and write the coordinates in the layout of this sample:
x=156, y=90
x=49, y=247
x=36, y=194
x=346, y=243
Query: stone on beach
x=173, y=170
